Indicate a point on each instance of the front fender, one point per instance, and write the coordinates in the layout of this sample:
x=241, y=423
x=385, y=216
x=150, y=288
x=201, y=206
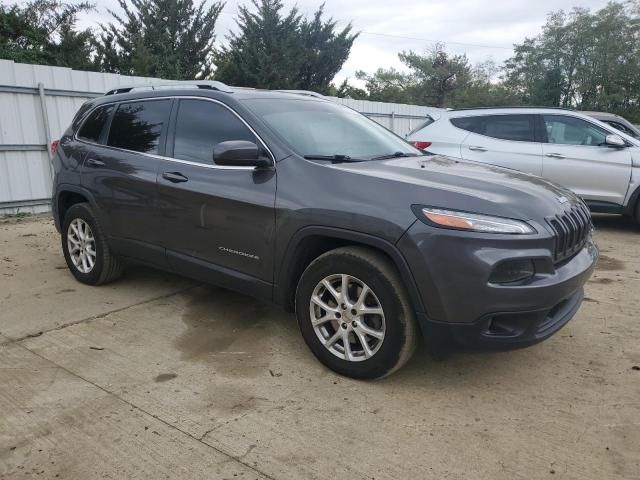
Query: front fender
x=286, y=266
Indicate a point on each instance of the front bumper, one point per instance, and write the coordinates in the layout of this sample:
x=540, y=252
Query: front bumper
x=452, y=271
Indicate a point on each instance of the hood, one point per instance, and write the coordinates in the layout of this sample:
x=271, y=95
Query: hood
x=446, y=182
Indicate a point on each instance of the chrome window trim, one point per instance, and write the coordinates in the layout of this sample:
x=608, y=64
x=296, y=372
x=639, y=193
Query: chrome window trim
x=171, y=159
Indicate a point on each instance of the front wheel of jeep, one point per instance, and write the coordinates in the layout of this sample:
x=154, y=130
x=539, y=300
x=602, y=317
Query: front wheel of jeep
x=354, y=314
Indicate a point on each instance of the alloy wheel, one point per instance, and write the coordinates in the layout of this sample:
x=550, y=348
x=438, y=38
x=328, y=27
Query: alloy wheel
x=347, y=317
x=81, y=245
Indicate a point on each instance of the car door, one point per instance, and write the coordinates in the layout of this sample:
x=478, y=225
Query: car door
x=218, y=221
x=575, y=155
x=507, y=140
x=121, y=175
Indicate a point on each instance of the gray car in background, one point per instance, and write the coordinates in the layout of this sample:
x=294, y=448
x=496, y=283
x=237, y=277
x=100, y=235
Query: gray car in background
x=297, y=200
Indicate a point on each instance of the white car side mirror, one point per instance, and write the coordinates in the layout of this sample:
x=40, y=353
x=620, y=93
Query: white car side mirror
x=615, y=141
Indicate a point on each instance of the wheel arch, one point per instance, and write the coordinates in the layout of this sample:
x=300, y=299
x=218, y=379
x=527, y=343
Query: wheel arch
x=311, y=242
x=66, y=196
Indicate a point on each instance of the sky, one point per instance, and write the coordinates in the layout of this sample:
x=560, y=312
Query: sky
x=481, y=29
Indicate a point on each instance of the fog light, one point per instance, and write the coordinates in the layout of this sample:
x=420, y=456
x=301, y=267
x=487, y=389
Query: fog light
x=513, y=271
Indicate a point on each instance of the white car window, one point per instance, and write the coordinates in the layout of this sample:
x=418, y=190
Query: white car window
x=517, y=127
x=572, y=131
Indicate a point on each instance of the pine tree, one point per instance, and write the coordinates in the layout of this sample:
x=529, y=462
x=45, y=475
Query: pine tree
x=277, y=50
x=44, y=32
x=169, y=39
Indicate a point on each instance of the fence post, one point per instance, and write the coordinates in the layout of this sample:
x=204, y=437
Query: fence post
x=47, y=130
x=393, y=121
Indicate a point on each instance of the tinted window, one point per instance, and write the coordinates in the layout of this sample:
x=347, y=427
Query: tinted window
x=518, y=128
x=200, y=125
x=572, y=131
x=137, y=126
x=95, y=123
x=470, y=124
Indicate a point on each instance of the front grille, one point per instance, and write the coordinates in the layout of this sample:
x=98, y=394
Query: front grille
x=571, y=230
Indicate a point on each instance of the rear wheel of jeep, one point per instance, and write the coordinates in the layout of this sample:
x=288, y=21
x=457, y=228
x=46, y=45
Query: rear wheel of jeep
x=85, y=247
x=354, y=314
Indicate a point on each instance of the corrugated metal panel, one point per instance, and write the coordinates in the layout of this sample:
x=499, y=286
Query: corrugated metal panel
x=25, y=175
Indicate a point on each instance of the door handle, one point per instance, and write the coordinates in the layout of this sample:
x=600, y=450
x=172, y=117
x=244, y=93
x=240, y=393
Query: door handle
x=555, y=155
x=174, y=177
x=93, y=162
x=477, y=148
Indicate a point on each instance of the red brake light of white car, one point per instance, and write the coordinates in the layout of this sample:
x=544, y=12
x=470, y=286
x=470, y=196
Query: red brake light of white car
x=54, y=146
x=422, y=145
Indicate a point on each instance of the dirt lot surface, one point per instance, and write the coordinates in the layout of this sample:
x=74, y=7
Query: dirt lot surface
x=155, y=377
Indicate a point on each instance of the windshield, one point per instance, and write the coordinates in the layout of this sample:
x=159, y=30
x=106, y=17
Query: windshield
x=325, y=129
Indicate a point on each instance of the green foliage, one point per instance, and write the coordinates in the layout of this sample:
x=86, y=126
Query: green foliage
x=436, y=79
x=582, y=60
x=278, y=50
x=44, y=32
x=170, y=39
x=387, y=85
x=345, y=90
x=438, y=75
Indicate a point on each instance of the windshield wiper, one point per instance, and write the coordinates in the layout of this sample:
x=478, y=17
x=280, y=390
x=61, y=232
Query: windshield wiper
x=332, y=158
x=396, y=155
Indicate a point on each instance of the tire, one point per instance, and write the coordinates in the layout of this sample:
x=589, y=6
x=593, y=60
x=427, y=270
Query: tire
x=105, y=267
x=387, y=297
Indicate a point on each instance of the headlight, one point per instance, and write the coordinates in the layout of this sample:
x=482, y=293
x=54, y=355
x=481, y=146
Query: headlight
x=475, y=222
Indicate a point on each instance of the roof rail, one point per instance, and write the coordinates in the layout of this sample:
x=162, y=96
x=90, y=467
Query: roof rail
x=203, y=84
x=507, y=107
x=308, y=93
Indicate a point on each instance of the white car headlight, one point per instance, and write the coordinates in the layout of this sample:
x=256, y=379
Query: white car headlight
x=476, y=222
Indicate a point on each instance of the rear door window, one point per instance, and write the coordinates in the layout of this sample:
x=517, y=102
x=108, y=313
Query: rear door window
x=517, y=128
x=201, y=125
x=138, y=126
x=92, y=128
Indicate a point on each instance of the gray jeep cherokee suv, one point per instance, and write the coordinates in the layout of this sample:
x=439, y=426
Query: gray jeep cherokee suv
x=297, y=200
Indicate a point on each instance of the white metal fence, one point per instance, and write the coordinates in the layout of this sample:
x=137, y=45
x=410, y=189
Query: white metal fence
x=38, y=102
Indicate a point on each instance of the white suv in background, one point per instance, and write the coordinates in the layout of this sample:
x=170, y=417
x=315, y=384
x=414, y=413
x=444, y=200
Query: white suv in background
x=598, y=162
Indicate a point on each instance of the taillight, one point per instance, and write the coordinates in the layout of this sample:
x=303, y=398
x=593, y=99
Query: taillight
x=54, y=146
x=422, y=145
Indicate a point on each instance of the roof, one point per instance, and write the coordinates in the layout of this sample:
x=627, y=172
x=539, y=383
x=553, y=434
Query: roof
x=507, y=110
x=516, y=107
x=212, y=86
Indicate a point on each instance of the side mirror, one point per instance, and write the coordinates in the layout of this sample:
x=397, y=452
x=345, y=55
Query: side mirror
x=238, y=153
x=614, y=141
